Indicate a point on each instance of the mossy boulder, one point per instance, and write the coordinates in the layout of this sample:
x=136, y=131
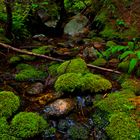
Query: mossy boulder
x=42, y=50
x=99, y=62
x=77, y=65
x=132, y=84
x=52, y=69
x=110, y=43
x=4, y=127
x=116, y=102
x=14, y=59
x=29, y=73
x=124, y=66
x=78, y=132
x=122, y=127
x=71, y=82
x=68, y=82
x=8, y=137
x=9, y=103
x=27, y=124
x=95, y=83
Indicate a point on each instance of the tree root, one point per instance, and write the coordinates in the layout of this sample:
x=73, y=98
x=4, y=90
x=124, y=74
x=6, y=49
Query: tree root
x=53, y=59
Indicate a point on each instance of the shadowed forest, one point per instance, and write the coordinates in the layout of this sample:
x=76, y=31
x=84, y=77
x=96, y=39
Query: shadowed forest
x=70, y=70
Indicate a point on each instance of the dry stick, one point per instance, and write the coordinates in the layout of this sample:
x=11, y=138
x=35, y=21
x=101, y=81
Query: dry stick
x=52, y=58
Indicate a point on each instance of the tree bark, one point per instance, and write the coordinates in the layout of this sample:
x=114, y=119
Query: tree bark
x=8, y=26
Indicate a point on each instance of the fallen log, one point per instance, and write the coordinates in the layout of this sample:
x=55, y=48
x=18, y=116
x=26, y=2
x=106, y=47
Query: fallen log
x=54, y=59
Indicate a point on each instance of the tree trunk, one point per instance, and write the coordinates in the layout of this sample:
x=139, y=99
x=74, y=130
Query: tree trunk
x=8, y=26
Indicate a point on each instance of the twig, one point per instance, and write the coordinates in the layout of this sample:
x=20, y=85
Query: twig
x=53, y=59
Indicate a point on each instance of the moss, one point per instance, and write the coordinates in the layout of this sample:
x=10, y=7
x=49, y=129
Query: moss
x=14, y=59
x=8, y=137
x=42, y=50
x=27, y=57
x=4, y=127
x=72, y=66
x=110, y=43
x=27, y=124
x=68, y=82
x=122, y=127
x=78, y=132
x=53, y=69
x=99, y=62
x=28, y=73
x=109, y=32
x=9, y=103
x=116, y=102
x=95, y=83
x=124, y=66
x=23, y=66
x=132, y=84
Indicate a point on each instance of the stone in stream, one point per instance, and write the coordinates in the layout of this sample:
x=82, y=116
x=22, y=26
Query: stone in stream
x=35, y=89
x=60, y=107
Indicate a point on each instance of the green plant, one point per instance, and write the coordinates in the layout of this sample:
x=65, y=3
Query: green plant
x=42, y=50
x=78, y=132
x=27, y=124
x=132, y=84
x=122, y=127
x=77, y=65
x=14, y=59
x=116, y=102
x=8, y=137
x=28, y=72
x=9, y=103
x=68, y=82
x=99, y=62
x=95, y=83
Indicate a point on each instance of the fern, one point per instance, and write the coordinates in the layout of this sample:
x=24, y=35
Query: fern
x=125, y=54
x=132, y=65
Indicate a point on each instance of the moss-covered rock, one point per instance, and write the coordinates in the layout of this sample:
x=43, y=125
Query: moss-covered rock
x=4, y=127
x=110, y=43
x=8, y=137
x=68, y=82
x=52, y=69
x=116, y=102
x=72, y=66
x=99, y=62
x=9, y=103
x=29, y=73
x=14, y=59
x=78, y=132
x=124, y=66
x=132, y=84
x=27, y=124
x=122, y=127
x=42, y=50
x=95, y=83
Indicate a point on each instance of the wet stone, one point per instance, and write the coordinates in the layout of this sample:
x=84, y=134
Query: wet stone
x=35, y=89
x=59, y=107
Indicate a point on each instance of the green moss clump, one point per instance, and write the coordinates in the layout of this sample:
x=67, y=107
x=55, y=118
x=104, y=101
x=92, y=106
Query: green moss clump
x=9, y=103
x=68, y=82
x=110, y=44
x=8, y=137
x=4, y=127
x=14, y=59
x=95, y=83
x=116, y=102
x=28, y=73
x=27, y=57
x=132, y=84
x=27, y=124
x=122, y=127
x=72, y=66
x=124, y=66
x=99, y=62
x=78, y=132
x=53, y=69
x=42, y=50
